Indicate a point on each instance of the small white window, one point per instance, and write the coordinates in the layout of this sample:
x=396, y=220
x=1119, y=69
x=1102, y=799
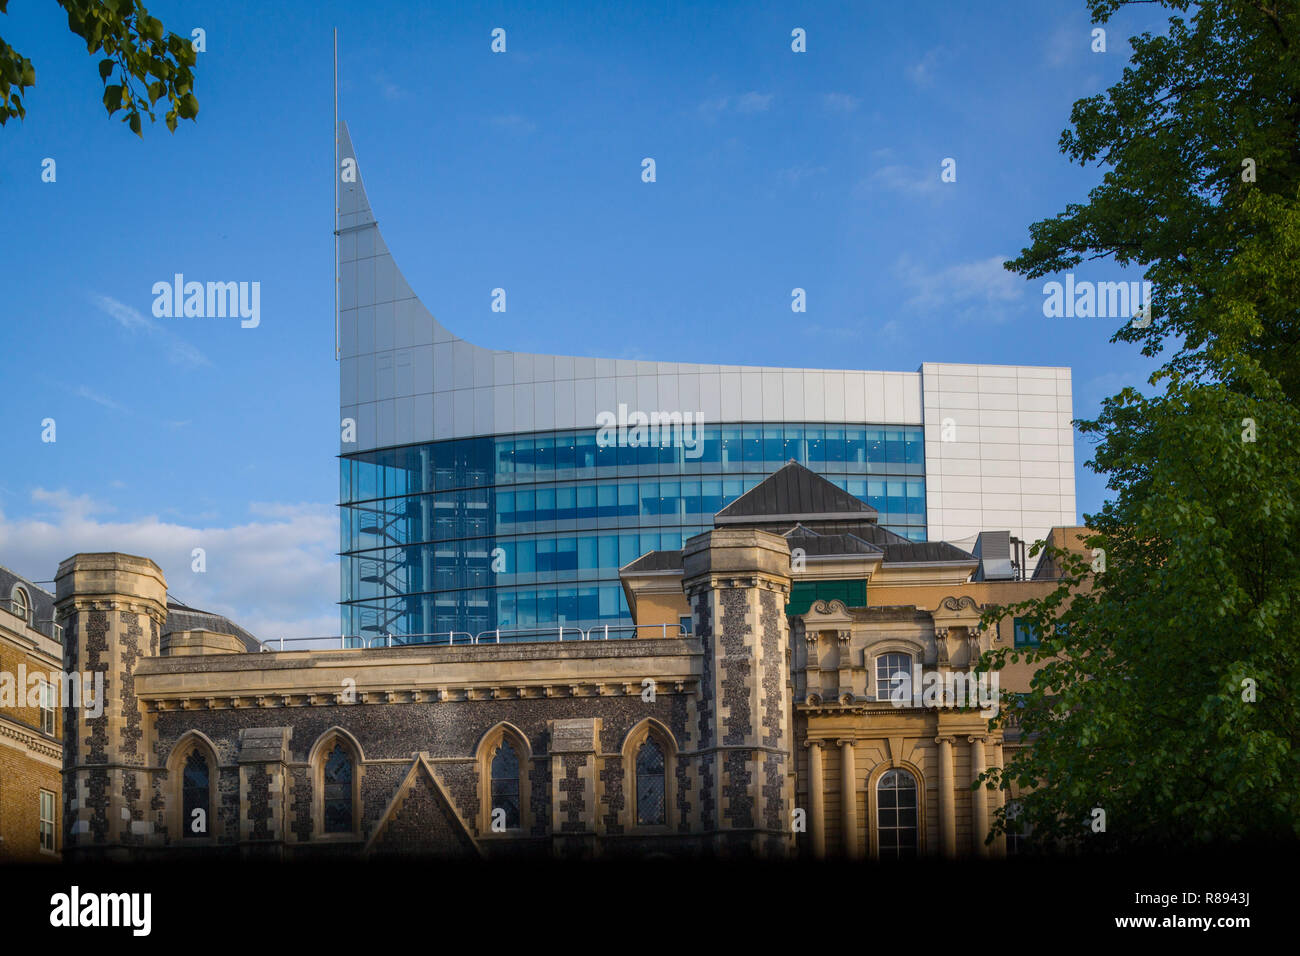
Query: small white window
x=47, y=707
x=47, y=821
x=21, y=604
x=894, y=671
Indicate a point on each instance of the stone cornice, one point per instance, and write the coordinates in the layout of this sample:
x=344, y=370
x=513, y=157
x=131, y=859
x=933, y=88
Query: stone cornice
x=200, y=700
x=31, y=742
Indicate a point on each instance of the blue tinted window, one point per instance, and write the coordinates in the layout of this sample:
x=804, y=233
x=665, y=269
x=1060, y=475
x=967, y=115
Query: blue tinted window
x=732, y=449
x=403, y=532
x=793, y=444
x=855, y=445
x=815, y=439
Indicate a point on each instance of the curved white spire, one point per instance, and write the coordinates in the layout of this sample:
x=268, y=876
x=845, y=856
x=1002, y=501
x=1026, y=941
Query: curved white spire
x=404, y=378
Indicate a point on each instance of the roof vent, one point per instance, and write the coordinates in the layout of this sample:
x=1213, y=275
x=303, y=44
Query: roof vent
x=993, y=548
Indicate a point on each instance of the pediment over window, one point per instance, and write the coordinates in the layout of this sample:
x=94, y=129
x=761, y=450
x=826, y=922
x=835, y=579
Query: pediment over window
x=827, y=615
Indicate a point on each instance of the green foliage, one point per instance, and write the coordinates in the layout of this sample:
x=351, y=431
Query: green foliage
x=1141, y=705
x=150, y=64
x=1137, y=706
x=1217, y=90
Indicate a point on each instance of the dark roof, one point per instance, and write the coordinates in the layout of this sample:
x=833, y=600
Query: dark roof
x=911, y=552
x=656, y=561
x=42, y=600
x=871, y=538
x=793, y=492
x=181, y=617
x=828, y=545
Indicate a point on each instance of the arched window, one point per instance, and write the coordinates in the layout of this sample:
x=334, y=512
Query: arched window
x=649, y=763
x=1018, y=831
x=338, y=800
x=505, y=785
x=896, y=826
x=192, y=772
x=196, y=790
x=888, y=667
x=651, y=789
x=21, y=604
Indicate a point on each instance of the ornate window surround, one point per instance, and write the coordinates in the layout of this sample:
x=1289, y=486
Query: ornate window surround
x=873, y=820
x=914, y=651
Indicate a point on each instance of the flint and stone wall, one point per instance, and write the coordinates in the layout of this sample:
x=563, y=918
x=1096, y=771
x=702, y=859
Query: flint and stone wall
x=415, y=720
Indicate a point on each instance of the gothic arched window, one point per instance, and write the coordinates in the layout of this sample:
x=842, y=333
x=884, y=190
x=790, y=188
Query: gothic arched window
x=505, y=784
x=196, y=789
x=338, y=802
x=651, y=790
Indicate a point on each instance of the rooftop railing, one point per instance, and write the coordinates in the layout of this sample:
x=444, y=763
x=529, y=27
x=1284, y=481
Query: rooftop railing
x=559, y=633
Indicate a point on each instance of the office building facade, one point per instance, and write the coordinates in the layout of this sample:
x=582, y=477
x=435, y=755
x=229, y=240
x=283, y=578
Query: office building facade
x=477, y=491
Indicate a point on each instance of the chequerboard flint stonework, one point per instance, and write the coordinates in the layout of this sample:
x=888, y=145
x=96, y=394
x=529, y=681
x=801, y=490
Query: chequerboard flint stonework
x=754, y=713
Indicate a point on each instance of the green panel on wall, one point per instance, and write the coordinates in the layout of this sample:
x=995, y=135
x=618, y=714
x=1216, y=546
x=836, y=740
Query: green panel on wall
x=804, y=593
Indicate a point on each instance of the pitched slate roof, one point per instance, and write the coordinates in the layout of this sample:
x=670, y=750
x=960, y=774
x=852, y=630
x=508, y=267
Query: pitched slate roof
x=181, y=617
x=916, y=552
x=794, y=492
x=827, y=545
x=867, y=538
x=655, y=561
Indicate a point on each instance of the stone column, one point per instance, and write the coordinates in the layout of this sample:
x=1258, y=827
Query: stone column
x=947, y=809
x=112, y=608
x=816, y=800
x=849, y=800
x=980, y=801
x=737, y=582
x=999, y=799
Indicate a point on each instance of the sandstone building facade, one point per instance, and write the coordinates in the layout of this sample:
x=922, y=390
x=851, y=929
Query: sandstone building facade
x=751, y=716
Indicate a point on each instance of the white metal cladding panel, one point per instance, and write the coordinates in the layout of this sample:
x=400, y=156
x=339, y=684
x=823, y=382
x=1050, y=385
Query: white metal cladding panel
x=995, y=437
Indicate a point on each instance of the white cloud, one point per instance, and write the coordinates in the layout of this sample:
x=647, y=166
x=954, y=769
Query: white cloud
x=844, y=333
x=1064, y=43
x=979, y=288
x=276, y=575
x=751, y=102
x=797, y=174
x=922, y=71
x=126, y=316
x=840, y=102
x=908, y=180
x=93, y=396
x=513, y=123
x=133, y=320
x=390, y=89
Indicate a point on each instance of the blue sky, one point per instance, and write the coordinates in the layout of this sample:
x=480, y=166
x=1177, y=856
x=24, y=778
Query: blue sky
x=521, y=170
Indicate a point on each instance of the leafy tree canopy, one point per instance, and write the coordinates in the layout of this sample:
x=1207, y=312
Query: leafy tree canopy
x=145, y=63
x=1167, y=697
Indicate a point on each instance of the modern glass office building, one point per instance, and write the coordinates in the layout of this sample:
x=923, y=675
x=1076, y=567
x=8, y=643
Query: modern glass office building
x=475, y=494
